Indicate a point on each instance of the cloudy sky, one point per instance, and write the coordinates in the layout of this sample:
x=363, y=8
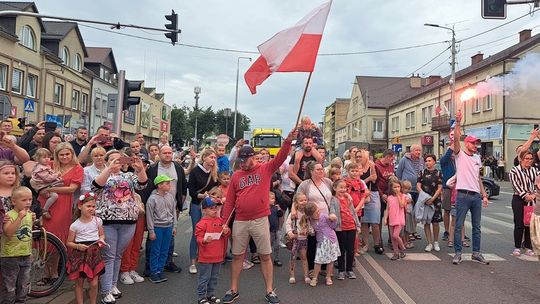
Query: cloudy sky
x=352, y=26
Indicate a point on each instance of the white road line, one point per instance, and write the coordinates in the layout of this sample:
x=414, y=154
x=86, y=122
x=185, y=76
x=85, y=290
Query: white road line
x=509, y=193
x=507, y=216
x=417, y=257
x=528, y=258
x=509, y=207
x=497, y=222
x=383, y=298
x=388, y=279
x=488, y=256
x=484, y=229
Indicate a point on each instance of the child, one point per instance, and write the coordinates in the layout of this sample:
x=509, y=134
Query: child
x=44, y=176
x=161, y=222
x=347, y=225
x=224, y=179
x=327, y=243
x=16, y=247
x=222, y=159
x=210, y=236
x=86, y=238
x=9, y=180
x=357, y=189
x=334, y=174
x=394, y=216
x=298, y=233
x=273, y=219
x=410, y=228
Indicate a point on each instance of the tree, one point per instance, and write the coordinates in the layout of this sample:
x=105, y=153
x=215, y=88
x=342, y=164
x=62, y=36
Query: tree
x=180, y=128
x=242, y=124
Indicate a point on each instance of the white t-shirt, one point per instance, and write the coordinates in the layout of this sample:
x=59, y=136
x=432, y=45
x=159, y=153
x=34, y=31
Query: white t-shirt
x=467, y=171
x=86, y=232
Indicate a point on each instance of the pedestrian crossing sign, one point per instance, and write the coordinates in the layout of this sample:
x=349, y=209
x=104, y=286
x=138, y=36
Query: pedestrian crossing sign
x=29, y=105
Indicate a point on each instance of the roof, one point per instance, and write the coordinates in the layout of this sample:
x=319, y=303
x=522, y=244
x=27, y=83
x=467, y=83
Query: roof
x=496, y=58
x=343, y=100
x=21, y=7
x=58, y=30
x=99, y=55
x=159, y=96
x=382, y=92
x=149, y=90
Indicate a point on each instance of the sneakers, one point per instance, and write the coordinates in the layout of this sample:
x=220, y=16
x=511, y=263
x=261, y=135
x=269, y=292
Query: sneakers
x=162, y=277
x=108, y=299
x=214, y=299
x=395, y=257
x=516, y=252
x=457, y=259
x=155, y=278
x=340, y=276
x=351, y=275
x=292, y=280
x=230, y=296
x=307, y=280
x=479, y=258
x=278, y=263
x=363, y=250
x=174, y=254
x=428, y=248
x=171, y=267
x=402, y=254
x=272, y=298
x=193, y=269
x=436, y=246
x=126, y=279
x=247, y=265
x=445, y=236
x=115, y=292
x=136, y=277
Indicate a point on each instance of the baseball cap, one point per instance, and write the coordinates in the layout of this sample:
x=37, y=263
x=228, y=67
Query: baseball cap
x=208, y=202
x=472, y=139
x=162, y=178
x=245, y=152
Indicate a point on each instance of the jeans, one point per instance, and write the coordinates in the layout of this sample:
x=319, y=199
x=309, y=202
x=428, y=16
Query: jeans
x=274, y=239
x=16, y=277
x=522, y=234
x=208, y=278
x=464, y=203
x=346, y=241
x=196, y=214
x=130, y=258
x=159, y=248
x=118, y=236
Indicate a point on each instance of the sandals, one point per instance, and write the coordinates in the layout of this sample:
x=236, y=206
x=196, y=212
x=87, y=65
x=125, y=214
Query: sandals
x=329, y=282
x=395, y=257
x=409, y=245
x=466, y=244
x=516, y=252
x=313, y=282
x=412, y=237
x=450, y=244
x=256, y=259
x=417, y=236
x=402, y=254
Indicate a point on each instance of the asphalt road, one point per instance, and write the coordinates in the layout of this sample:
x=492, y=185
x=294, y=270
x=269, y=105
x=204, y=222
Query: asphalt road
x=420, y=278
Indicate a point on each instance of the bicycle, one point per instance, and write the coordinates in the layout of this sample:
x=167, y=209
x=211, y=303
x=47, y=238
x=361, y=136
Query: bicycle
x=45, y=246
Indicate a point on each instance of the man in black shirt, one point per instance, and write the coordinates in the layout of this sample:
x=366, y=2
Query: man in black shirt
x=81, y=137
x=301, y=158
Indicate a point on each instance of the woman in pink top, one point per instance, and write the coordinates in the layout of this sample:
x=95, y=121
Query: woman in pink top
x=394, y=216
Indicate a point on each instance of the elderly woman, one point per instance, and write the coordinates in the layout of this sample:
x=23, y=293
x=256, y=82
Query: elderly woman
x=117, y=208
x=522, y=178
x=318, y=190
x=90, y=172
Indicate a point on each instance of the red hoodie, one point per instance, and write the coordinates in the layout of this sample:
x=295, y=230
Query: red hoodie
x=383, y=173
x=249, y=190
x=210, y=252
x=357, y=189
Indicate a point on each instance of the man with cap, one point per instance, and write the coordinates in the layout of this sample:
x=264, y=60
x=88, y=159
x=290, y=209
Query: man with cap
x=470, y=192
x=248, y=197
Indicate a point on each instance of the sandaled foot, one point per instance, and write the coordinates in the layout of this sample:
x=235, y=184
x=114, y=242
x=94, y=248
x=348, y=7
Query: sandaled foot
x=329, y=281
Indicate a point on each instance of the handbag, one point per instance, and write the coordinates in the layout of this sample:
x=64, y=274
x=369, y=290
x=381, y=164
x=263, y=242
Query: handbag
x=528, y=210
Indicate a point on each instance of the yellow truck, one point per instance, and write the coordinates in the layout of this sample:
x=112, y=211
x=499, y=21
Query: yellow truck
x=269, y=139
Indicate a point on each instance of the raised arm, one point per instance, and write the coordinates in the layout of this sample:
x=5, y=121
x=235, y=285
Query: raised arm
x=457, y=133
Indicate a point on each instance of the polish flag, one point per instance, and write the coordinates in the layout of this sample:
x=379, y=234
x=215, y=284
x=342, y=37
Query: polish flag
x=291, y=50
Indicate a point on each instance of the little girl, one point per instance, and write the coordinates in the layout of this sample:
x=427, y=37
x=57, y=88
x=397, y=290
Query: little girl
x=298, y=234
x=347, y=225
x=394, y=216
x=410, y=228
x=85, y=239
x=8, y=181
x=327, y=243
x=44, y=176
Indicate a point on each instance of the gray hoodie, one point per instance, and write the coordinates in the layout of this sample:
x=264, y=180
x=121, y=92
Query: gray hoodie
x=408, y=169
x=160, y=211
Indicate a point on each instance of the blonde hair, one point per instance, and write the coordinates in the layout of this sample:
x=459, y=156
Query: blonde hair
x=64, y=146
x=17, y=191
x=336, y=162
x=7, y=163
x=216, y=191
x=365, y=157
x=96, y=150
x=309, y=211
x=205, y=153
x=406, y=185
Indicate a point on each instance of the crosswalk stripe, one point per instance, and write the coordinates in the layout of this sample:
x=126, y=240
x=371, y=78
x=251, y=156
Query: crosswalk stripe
x=497, y=222
x=417, y=257
x=506, y=216
x=488, y=256
x=527, y=258
x=509, y=193
x=485, y=230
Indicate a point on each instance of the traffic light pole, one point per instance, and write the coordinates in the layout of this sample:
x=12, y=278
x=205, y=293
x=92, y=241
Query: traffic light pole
x=117, y=126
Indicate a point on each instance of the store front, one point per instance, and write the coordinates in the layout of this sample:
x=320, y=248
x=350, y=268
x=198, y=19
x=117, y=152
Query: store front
x=491, y=137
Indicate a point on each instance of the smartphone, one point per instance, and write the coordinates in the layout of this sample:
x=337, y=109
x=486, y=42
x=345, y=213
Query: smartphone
x=126, y=160
x=50, y=126
x=536, y=126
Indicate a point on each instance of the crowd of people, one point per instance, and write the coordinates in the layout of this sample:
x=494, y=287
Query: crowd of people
x=101, y=195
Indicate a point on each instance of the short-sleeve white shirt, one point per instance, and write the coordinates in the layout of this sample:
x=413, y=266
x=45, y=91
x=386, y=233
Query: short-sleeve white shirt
x=86, y=232
x=467, y=171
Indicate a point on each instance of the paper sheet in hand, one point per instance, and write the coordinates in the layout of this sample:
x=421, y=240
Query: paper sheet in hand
x=214, y=235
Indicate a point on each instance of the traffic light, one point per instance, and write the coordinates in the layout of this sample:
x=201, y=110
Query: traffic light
x=494, y=9
x=173, y=26
x=130, y=86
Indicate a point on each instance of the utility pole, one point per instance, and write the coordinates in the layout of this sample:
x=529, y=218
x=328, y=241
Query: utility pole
x=197, y=91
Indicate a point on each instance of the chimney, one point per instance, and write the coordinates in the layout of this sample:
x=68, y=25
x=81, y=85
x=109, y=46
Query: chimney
x=416, y=81
x=432, y=78
x=477, y=58
x=524, y=35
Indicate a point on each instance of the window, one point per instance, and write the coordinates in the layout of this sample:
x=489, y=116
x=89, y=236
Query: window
x=58, y=94
x=27, y=37
x=84, y=103
x=427, y=114
x=410, y=120
x=488, y=102
x=395, y=124
x=3, y=77
x=77, y=63
x=65, y=56
x=17, y=81
x=107, y=76
x=31, y=85
x=75, y=95
x=377, y=126
x=104, y=108
x=476, y=105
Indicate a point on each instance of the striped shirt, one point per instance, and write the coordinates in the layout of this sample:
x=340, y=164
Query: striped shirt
x=523, y=180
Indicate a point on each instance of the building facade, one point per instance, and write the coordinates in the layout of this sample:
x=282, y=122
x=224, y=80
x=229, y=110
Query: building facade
x=335, y=117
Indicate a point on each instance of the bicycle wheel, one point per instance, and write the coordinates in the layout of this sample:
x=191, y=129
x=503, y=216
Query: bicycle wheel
x=44, y=254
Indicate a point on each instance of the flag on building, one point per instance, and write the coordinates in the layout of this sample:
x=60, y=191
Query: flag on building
x=291, y=50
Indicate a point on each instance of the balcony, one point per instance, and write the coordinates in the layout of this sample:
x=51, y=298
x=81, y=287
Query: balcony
x=378, y=135
x=440, y=123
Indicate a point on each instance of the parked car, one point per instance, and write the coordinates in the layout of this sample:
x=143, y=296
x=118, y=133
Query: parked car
x=491, y=187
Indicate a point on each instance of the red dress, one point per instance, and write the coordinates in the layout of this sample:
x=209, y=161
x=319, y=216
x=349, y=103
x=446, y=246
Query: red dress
x=62, y=210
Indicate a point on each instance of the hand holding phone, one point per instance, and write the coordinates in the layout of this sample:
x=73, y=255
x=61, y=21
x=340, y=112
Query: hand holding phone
x=126, y=160
x=50, y=126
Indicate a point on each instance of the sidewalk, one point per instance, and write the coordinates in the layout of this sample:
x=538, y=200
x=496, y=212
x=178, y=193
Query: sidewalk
x=64, y=295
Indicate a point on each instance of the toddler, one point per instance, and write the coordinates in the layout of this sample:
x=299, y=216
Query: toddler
x=273, y=220
x=394, y=216
x=298, y=234
x=406, y=187
x=44, y=176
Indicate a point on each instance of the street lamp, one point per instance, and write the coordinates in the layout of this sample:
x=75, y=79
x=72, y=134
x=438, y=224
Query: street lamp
x=452, y=81
x=197, y=91
x=236, y=94
x=227, y=114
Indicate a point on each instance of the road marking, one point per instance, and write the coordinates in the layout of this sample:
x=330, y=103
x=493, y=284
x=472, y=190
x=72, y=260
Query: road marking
x=506, y=215
x=388, y=279
x=497, y=222
x=417, y=257
x=485, y=230
x=509, y=207
x=528, y=258
x=383, y=298
x=488, y=256
x=509, y=193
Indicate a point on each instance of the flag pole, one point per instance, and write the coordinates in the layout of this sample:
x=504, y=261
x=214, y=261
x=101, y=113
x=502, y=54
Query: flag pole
x=303, y=99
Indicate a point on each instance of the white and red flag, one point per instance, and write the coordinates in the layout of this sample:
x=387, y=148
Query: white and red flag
x=291, y=50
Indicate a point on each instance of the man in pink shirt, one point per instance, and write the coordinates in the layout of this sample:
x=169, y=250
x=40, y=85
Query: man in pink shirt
x=248, y=196
x=471, y=194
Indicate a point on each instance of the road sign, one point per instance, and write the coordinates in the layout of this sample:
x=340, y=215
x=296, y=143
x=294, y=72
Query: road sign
x=397, y=147
x=29, y=106
x=222, y=139
x=14, y=111
x=51, y=118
